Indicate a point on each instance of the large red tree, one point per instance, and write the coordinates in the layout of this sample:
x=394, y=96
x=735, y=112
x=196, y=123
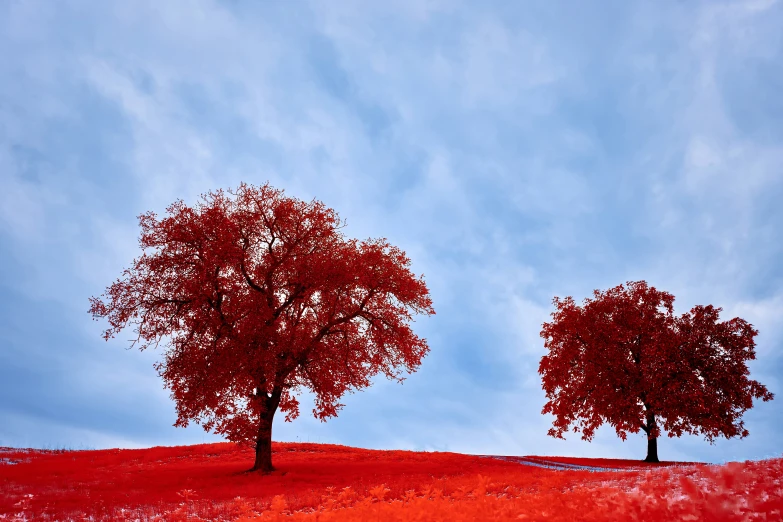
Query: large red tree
x=259, y=296
x=623, y=358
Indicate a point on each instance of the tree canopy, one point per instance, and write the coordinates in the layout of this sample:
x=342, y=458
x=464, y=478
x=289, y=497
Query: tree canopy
x=624, y=358
x=258, y=296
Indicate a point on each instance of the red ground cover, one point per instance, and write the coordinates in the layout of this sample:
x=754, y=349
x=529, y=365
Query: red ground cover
x=327, y=482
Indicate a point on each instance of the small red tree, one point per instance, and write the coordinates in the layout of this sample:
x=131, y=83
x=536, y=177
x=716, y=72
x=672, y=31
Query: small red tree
x=259, y=297
x=625, y=359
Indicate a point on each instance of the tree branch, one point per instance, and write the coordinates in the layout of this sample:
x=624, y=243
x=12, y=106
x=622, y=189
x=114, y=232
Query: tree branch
x=323, y=332
x=300, y=290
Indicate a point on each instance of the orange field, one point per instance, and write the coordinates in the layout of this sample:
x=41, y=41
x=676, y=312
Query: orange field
x=329, y=483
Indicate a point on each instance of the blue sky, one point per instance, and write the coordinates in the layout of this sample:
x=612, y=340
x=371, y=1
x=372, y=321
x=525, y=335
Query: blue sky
x=516, y=151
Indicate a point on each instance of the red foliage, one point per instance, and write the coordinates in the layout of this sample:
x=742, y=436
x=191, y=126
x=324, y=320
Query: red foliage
x=260, y=296
x=625, y=359
x=325, y=482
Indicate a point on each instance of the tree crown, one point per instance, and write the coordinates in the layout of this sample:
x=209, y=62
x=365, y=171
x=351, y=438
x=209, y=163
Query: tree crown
x=260, y=295
x=623, y=356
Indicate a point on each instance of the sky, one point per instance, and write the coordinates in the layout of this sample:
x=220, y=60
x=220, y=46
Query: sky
x=516, y=151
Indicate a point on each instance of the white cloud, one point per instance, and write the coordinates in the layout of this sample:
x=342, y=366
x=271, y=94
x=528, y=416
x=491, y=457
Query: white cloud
x=21, y=209
x=766, y=316
x=498, y=64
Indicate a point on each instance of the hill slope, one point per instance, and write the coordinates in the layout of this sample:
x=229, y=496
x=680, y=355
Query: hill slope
x=344, y=483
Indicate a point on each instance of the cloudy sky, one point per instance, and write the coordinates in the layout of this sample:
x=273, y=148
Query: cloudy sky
x=516, y=151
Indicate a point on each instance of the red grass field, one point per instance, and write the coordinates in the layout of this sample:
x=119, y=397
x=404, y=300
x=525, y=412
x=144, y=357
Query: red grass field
x=326, y=482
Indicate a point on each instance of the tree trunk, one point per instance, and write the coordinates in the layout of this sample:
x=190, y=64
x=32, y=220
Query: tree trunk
x=652, y=442
x=269, y=405
x=263, y=461
x=652, y=449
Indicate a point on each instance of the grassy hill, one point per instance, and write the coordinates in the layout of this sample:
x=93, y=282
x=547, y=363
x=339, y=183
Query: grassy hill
x=329, y=482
